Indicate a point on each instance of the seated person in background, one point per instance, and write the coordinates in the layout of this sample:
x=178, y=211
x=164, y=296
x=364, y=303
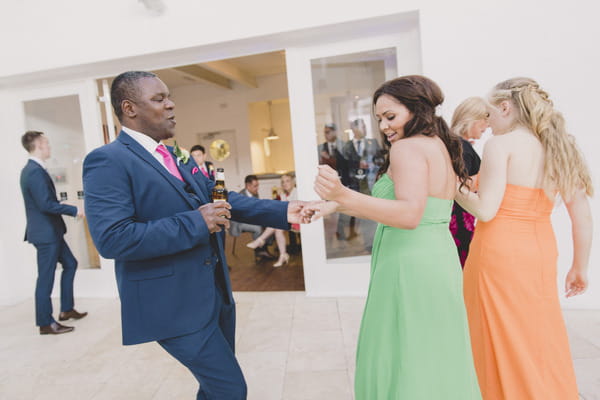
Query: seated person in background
x=288, y=186
x=206, y=167
x=236, y=228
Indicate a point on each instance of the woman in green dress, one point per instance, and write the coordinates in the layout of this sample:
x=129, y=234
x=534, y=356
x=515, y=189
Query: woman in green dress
x=414, y=339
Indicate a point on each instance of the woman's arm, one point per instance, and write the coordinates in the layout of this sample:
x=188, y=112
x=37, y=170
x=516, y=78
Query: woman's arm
x=582, y=227
x=410, y=175
x=492, y=182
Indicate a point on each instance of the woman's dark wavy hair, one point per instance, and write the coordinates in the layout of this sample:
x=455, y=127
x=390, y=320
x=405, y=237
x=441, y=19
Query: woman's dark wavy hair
x=421, y=96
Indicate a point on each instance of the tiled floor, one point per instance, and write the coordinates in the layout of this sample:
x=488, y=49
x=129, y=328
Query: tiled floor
x=290, y=347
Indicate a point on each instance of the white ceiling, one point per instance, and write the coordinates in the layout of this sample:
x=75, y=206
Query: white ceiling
x=254, y=66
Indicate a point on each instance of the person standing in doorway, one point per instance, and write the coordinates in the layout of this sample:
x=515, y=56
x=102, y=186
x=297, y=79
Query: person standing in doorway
x=46, y=230
x=206, y=167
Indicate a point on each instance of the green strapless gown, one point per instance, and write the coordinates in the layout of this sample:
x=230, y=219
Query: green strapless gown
x=414, y=339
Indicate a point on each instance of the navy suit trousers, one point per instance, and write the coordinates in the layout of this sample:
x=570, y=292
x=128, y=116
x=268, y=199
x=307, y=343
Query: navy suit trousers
x=211, y=358
x=48, y=254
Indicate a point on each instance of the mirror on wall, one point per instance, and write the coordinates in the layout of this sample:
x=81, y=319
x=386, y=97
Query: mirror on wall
x=348, y=136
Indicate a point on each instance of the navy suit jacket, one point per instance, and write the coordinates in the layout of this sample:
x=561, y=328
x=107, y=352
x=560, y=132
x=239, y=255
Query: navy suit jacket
x=42, y=209
x=165, y=261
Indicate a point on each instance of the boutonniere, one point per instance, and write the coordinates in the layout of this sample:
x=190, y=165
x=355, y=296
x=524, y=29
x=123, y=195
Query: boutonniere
x=195, y=170
x=182, y=154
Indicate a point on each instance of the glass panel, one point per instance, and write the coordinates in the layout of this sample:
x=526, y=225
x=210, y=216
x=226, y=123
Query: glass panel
x=349, y=138
x=60, y=120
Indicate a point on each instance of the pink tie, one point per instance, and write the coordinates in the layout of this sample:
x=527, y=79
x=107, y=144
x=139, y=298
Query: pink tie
x=162, y=150
x=204, y=171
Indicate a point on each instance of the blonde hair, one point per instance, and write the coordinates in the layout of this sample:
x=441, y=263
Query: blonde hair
x=471, y=110
x=564, y=165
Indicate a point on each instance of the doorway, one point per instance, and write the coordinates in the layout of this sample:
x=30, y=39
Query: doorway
x=60, y=120
x=238, y=110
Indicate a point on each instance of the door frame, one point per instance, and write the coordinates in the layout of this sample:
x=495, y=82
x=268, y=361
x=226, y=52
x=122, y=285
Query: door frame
x=91, y=282
x=342, y=276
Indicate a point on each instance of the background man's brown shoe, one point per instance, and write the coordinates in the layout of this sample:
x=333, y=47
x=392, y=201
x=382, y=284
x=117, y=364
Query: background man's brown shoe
x=55, y=329
x=63, y=316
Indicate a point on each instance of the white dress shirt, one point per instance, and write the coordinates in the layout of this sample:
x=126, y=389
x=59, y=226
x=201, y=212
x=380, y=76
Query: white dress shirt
x=39, y=161
x=331, y=148
x=147, y=143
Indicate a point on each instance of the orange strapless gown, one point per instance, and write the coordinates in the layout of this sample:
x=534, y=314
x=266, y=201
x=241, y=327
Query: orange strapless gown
x=519, y=339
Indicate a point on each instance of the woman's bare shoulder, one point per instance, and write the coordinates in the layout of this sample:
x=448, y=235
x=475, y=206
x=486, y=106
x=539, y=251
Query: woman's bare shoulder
x=409, y=150
x=413, y=143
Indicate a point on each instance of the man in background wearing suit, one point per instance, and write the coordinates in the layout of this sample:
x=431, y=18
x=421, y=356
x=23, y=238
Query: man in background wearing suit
x=206, y=167
x=331, y=153
x=149, y=209
x=45, y=230
x=360, y=153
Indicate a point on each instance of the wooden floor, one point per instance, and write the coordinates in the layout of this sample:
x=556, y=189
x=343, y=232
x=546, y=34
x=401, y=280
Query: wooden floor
x=250, y=276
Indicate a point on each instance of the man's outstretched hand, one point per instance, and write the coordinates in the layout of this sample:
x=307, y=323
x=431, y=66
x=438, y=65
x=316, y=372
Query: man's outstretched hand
x=216, y=215
x=301, y=212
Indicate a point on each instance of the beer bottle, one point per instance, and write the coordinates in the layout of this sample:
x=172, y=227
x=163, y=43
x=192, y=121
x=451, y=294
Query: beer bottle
x=219, y=192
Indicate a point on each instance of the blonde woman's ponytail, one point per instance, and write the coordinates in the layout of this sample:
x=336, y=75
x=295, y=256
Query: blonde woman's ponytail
x=564, y=166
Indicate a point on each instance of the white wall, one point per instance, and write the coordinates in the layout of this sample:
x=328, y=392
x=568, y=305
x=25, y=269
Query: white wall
x=17, y=258
x=467, y=46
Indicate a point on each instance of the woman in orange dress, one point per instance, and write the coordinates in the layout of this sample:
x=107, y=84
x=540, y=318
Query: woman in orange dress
x=519, y=338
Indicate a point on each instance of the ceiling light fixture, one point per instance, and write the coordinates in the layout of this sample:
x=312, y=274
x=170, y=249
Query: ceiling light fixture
x=272, y=135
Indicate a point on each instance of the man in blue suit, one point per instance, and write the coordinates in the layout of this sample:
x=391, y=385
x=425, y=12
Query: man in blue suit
x=46, y=230
x=149, y=208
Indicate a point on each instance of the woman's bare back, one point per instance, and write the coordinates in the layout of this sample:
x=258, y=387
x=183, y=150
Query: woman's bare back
x=440, y=174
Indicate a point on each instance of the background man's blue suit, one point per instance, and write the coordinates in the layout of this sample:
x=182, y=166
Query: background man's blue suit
x=45, y=230
x=171, y=272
